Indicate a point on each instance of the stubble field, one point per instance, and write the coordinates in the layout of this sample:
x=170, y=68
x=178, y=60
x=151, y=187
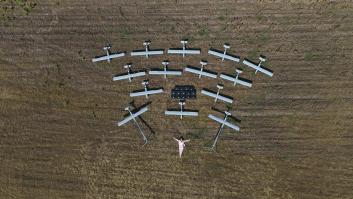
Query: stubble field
x=58, y=110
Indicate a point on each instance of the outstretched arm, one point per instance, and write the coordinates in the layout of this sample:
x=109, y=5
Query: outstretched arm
x=175, y=139
x=186, y=140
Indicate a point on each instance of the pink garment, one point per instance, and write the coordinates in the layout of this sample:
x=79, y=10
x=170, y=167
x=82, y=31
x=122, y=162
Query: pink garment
x=181, y=145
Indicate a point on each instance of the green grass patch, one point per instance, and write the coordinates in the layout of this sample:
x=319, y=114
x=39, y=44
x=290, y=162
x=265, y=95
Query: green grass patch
x=172, y=28
x=195, y=134
x=125, y=33
x=259, y=17
x=223, y=27
x=212, y=169
x=253, y=54
x=308, y=56
x=203, y=32
x=222, y=18
x=189, y=37
x=9, y=8
x=264, y=38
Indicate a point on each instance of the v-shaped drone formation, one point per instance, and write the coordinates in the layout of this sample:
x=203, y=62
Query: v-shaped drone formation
x=184, y=92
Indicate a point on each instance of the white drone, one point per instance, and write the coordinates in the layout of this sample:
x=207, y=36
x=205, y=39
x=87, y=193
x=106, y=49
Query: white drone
x=236, y=79
x=258, y=66
x=109, y=55
x=223, y=55
x=130, y=75
x=184, y=51
x=133, y=117
x=147, y=52
x=217, y=95
x=146, y=92
x=223, y=123
x=201, y=71
x=165, y=71
x=182, y=111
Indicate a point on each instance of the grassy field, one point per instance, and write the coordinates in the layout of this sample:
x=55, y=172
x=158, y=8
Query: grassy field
x=58, y=137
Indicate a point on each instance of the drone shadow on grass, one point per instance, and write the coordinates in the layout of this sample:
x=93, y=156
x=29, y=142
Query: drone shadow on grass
x=110, y=53
x=149, y=89
x=240, y=78
x=149, y=50
x=142, y=120
x=184, y=110
x=199, y=49
x=221, y=94
x=232, y=55
x=162, y=70
x=258, y=63
x=231, y=116
x=204, y=70
x=131, y=72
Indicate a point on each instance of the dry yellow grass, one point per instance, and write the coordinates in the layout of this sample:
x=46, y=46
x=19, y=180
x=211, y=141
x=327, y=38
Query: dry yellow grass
x=58, y=137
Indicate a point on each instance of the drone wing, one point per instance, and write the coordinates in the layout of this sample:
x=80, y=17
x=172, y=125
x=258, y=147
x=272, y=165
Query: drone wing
x=143, y=93
x=225, y=56
x=233, y=79
x=127, y=119
x=144, y=53
x=199, y=72
x=221, y=97
x=107, y=57
x=256, y=67
x=222, y=121
x=181, y=51
x=244, y=83
x=184, y=113
x=131, y=75
x=158, y=72
x=103, y=58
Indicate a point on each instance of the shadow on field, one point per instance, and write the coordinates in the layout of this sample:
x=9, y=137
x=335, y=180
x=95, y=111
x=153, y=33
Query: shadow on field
x=142, y=120
x=231, y=116
x=258, y=63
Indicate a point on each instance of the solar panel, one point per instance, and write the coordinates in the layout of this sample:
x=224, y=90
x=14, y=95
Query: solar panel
x=183, y=92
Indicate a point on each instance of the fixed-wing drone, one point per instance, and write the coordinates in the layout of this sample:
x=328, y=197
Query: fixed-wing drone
x=146, y=52
x=129, y=74
x=133, y=117
x=184, y=51
x=182, y=111
x=165, y=71
x=258, y=66
x=236, y=79
x=109, y=56
x=223, y=123
x=217, y=95
x=223, y=55
x=146, y=92
x=201, y=71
